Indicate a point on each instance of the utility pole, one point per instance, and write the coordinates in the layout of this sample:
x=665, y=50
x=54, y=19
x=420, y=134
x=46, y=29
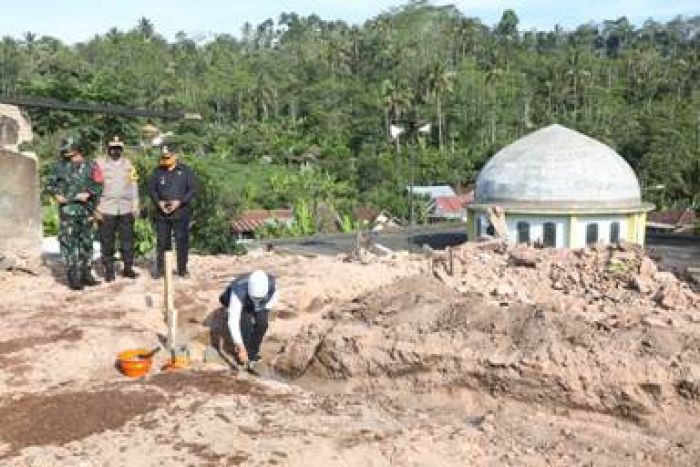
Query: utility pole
x=414, y=129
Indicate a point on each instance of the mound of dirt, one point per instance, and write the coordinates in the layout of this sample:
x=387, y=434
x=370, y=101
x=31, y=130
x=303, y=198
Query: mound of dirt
x=587, y=279
x=419, y=335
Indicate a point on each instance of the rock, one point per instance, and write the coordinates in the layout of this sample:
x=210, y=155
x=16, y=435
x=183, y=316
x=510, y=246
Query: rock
x=503, y=290
x=7, y=261
x=524, y=257
x=665, y=277
x=647, y=268
x=670, y=297
x=643, y=284
x=654, y=322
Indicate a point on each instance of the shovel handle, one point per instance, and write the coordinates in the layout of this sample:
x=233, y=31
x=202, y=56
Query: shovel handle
x=150, y=354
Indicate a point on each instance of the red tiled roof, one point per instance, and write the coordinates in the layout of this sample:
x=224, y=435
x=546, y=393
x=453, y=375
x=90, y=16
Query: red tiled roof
x=453, y=203
x=365, y=213
x=675, y=217
x=251, y=220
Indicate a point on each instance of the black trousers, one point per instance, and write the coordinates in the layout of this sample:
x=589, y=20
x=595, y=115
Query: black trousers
x=110, y=227
x=164, y=231
x=253, y=329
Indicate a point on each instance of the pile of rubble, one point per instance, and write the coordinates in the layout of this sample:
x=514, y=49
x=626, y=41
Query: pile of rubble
x=589, y=279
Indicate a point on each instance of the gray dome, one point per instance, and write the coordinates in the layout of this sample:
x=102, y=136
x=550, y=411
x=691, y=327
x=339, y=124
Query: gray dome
x=558, y=168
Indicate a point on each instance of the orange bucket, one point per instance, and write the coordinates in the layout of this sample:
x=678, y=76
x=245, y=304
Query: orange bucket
x=134, y=363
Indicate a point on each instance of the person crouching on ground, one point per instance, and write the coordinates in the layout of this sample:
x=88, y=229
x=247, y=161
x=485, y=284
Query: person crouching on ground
x=172, y=187
x=249, y=299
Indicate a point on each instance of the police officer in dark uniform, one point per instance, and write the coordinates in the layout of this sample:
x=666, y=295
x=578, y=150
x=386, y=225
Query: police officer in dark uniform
x=172, y=188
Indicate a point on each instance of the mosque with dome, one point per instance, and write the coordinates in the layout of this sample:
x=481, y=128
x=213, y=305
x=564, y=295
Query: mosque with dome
x=561, y=189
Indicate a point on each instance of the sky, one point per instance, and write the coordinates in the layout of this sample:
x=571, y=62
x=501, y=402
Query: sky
x=78, y=20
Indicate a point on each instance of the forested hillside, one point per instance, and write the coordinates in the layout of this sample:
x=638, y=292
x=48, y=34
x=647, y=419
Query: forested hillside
x=302, y=86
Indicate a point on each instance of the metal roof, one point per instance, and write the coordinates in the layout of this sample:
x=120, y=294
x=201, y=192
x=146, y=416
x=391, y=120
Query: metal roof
x=434, y=191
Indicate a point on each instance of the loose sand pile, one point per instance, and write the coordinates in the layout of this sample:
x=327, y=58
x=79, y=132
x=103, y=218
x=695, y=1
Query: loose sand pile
x=525, y=357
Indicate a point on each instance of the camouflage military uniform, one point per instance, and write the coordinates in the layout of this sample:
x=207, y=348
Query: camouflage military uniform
x=76, y=231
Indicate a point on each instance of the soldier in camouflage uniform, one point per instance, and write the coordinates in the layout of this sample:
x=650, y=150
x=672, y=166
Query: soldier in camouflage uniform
x=76, y=184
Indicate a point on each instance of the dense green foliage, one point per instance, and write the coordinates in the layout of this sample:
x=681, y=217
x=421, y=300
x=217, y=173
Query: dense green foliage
x=301, y=88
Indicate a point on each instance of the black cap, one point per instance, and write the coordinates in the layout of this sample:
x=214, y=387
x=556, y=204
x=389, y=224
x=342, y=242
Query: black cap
x=71, y=144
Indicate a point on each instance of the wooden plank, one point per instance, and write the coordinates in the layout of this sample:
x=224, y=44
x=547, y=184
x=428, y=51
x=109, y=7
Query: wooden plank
x=170, y=311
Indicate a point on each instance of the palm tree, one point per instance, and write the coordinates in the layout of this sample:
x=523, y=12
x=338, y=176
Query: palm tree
x=395, y=101
x=437, y=82
x=686, y=180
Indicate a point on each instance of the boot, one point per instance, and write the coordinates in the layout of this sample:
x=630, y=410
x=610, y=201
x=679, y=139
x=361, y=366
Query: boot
x=86, y=277
x=109, y=272
x=73, y=279
x=128, y=271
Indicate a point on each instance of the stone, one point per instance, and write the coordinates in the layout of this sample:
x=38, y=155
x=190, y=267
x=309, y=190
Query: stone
x=643, y=284
x=647, y=268
x=20, y=205
x=665, y=277
x=14, y=128
x=670, y=297
x=7, y=261
x=524, y=257
x=503, y=290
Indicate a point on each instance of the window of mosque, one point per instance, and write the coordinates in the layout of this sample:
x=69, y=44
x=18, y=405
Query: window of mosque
x=615, y=232
x=478, y=226
x=523, y=232
x=591, y=234
x=550, y=234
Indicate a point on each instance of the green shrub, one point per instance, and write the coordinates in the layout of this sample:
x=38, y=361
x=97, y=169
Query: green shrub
x=50, y=220
x=144, y=237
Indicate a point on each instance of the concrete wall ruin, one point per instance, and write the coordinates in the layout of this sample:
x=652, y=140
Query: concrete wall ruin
x=20, y=205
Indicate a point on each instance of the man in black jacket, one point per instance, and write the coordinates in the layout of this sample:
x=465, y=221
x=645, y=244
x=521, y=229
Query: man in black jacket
x=172, y=188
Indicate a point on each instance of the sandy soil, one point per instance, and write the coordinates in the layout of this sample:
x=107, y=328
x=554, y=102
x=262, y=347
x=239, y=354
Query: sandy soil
x=515, y=358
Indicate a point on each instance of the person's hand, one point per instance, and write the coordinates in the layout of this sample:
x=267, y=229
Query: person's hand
x=61, y=199
x=241, y=354
x=175, y=205
x=82, y=197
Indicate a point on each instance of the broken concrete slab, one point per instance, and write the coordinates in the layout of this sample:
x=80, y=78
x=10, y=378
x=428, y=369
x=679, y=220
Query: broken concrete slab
x=20, y=206
x=14, y=128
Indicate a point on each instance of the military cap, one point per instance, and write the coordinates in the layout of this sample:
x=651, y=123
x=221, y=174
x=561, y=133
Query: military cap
x=116, y=143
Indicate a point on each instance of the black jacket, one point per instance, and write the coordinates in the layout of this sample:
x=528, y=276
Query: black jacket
x=177, y=184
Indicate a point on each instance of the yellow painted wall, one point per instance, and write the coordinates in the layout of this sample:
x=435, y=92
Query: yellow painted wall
x=631, y=228
x=641, y=227
x=636, y=228
x=572, y=231
x=471, y=225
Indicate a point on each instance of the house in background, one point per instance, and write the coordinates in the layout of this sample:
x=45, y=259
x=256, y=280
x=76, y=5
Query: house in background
x=451, y=208
x=245, y=225
x=444, y=204
x=672, y=221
